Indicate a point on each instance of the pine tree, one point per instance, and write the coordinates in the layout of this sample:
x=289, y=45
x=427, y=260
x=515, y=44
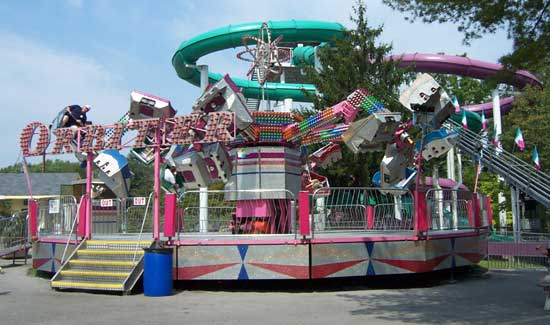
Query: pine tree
x=356, y=61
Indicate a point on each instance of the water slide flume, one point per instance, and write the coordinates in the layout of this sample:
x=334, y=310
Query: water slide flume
x=301, y=31
x=298, y=31
x=466, y=67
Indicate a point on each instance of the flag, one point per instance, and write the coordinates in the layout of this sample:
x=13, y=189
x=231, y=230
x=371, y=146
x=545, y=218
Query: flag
x=536, y=159
x=464, y=120
x=455, y=104
x=483, y=121
x=519, y=140
x=496, y=141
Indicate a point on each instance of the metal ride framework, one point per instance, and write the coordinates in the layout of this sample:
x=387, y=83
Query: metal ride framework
x=303, y=226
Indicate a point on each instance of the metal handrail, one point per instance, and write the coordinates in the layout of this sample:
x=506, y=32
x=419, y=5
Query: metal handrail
x=72, y=229
x=510, y=159
x=74, y=252
x=365, y=191
x=514, y=170
x=487, y=148
x=142, y=225
x=288, y=196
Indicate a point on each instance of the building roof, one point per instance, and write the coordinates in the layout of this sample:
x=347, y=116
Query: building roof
x=12, y=184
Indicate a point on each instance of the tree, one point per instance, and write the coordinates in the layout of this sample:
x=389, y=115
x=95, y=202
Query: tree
x=527, y=23
x=143, y=180
x=531, y=113
x=468, y=91
x=356, y=61
x=52, y=166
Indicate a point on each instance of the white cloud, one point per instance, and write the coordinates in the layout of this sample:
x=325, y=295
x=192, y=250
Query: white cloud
x=38, y=81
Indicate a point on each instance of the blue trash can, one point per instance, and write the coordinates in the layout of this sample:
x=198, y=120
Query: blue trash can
x=157, y=272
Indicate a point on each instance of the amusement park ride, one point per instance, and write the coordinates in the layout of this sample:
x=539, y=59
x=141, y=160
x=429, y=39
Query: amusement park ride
x=277, y=217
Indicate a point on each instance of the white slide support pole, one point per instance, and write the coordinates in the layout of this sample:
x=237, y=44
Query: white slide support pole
x=497, y=124
x=203, y=191
x=203, y=209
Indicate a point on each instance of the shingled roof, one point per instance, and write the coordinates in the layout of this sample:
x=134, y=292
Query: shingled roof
x=12, y=184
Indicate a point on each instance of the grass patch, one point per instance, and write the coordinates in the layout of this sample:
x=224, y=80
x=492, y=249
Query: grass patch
x=39, y=274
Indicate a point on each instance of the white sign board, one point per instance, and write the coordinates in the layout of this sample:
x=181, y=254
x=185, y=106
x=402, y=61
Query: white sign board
x=139, y=201
x=53, y=206
x=106, y=203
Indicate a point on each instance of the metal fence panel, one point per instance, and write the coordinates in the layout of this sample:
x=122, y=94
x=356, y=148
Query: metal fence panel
x=122, y=216
x=56, y=215
x=450, y=209
x=520, y=255
x=106, y=216
x=13, y=232
x=361, y=209
x=202, y=212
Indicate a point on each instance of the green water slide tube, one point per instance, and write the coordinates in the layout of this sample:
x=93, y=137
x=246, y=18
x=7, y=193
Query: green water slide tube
x=297, y=31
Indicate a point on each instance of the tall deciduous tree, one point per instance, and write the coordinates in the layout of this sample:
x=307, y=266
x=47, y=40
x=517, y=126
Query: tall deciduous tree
x=527, y=22
x=531, y=113
x=143, y=180
x=356, y=61
x=52, y=166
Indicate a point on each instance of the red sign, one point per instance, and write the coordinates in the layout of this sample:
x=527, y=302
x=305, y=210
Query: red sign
x=183, y=130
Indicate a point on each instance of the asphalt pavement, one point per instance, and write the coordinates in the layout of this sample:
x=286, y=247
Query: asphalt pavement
x=503, y=297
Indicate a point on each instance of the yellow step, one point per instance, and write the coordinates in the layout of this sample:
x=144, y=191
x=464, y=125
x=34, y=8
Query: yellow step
x=106, y=263
x=119, y=242
x=108, y=252
x=96, y=273
x=87, y=285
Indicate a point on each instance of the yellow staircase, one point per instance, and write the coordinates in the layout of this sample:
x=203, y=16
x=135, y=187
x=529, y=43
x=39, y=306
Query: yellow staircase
x=102, y=265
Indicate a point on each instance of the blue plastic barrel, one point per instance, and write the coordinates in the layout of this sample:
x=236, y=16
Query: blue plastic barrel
x=157, y=272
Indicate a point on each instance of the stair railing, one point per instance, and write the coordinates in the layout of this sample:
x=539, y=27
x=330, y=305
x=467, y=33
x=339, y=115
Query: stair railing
x=514, y=170
x=79, y=204
x=142, y=226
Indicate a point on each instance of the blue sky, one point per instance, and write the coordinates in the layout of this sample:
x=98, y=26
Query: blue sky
x=59, y=52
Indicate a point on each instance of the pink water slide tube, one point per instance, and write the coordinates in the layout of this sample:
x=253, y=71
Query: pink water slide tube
x=463, y=66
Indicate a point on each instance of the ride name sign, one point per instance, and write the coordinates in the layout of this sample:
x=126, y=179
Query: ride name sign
x=183, y=130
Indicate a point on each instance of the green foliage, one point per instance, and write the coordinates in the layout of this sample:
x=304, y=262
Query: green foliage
x=469, y=91
x=142, y=182
x=356, y=61
x=5, y=208
x=527, y=23
x=531, y=113
x=52, y=166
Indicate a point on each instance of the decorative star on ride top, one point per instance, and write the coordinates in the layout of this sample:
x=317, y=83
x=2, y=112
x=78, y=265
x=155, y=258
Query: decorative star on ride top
x=266, y=57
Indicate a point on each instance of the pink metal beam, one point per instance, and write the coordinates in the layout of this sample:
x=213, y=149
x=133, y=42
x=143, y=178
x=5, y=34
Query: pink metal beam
x=420, y=213
x=89, y=175
x=303, y=207
x=33, y=211
x=81, y=230
x=170, y=202
x=156, y=200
